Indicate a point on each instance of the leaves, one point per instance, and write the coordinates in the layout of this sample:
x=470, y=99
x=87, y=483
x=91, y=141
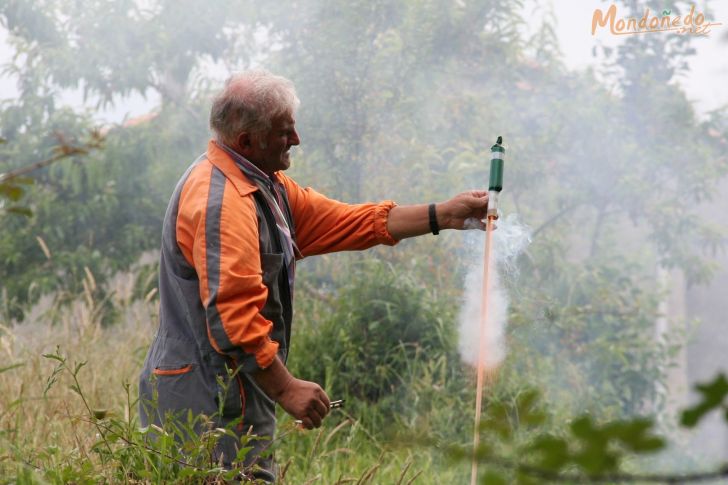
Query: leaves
x=552, y=452
x=597, y=449
x=57, y=371
x=713, y=396
x=11, y=192
x=491, y=477
x=584, y=451
x=20, y=211
x=11, y=367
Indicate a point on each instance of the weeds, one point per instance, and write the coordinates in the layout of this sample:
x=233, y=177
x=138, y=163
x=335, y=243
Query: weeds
x=69, y=410
x=112, y=448
x=120, y=451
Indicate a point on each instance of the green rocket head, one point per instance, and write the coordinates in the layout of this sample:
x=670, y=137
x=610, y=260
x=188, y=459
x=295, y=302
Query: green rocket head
x=497, y=154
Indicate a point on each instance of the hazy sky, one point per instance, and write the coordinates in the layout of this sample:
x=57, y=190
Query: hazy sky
x=706, y=84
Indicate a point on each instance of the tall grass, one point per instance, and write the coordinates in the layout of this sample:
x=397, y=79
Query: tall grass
x=44, y=422
x=68, y=384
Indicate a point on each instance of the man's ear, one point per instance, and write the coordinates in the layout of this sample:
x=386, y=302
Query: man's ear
x=245, y=141
x=246, y=145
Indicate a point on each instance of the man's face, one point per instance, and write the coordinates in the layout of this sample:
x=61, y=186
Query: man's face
x=270, y=152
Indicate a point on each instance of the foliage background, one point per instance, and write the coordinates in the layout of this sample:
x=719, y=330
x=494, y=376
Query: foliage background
x=400, y=100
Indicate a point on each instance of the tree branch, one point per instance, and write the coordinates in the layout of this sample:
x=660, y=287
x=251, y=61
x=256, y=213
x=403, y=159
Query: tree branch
x=554, y=218
x=63, y=150
x=597, y=231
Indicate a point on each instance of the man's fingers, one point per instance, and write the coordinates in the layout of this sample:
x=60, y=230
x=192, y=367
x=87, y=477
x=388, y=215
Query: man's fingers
x=320, y=408
x=315, y=418
x=325, y=400
x=311, y=420
x=477, y=199
x=317, y=410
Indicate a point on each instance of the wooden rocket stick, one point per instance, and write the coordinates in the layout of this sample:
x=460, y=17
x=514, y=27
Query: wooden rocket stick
x=481, y=348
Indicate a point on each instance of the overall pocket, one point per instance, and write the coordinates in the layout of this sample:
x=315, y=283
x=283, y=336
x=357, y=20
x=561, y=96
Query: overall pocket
x=172, y=371
x=173, y=381
x=181, y=389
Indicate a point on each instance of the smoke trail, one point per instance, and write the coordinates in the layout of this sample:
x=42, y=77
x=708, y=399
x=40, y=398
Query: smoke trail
x=509, y=240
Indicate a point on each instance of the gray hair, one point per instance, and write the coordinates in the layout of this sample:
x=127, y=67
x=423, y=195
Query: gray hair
x=249, y=102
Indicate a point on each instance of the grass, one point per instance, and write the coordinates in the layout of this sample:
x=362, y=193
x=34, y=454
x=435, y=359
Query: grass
x=68, y=414
x=68, y=387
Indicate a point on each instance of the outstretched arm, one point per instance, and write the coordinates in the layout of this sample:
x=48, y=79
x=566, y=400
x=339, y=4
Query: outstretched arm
x=413, y=220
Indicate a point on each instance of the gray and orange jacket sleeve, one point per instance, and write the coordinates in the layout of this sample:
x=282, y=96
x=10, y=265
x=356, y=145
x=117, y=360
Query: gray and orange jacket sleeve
x=324, y=225
x=217, y=232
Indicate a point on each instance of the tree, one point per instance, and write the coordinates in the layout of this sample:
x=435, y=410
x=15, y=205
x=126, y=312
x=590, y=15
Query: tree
x=101, y=214
x=400, y=105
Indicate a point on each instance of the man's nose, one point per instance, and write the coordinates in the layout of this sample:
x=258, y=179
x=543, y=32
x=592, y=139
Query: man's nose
x=294, y=139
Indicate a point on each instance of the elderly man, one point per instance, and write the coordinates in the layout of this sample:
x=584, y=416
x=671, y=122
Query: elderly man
x=232, y=232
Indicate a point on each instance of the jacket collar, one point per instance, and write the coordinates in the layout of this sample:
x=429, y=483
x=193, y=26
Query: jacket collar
x=220, y=159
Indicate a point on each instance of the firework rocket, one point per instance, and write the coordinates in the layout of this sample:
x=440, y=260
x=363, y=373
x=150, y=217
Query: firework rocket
x=494, y=188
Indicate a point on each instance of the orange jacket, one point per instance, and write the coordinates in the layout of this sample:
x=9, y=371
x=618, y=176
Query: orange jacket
x=322, y=226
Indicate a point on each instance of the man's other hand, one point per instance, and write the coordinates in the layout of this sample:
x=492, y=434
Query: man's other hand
x=306, y=401
x=301, y=399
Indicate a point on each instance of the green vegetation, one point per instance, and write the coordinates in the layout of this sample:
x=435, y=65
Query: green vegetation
x=66, y=420
x=399, y=100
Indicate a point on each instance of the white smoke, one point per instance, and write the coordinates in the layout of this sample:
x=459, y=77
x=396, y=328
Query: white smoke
x=509, y=240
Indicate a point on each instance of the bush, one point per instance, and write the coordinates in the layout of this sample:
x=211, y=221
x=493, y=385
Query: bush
x=377, y=328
